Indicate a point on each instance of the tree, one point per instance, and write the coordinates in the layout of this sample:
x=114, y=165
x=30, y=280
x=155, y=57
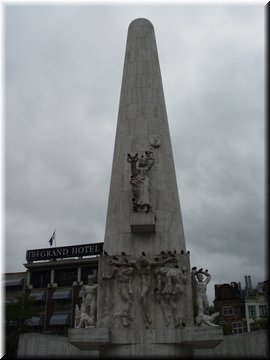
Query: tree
x=18, y=312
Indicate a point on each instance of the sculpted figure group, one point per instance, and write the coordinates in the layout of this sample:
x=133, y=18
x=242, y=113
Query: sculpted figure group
x=170, y=286
x=169, y=291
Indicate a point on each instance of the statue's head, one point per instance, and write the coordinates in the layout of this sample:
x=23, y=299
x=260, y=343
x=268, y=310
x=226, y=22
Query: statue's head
x=149, y=152
x=92, y=278
x=129, y=271
x=200, y=277
x=143, y=261
x=142, y=161
x=163, y=271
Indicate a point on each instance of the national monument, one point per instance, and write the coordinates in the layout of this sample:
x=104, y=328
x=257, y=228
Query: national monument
x=141, y=303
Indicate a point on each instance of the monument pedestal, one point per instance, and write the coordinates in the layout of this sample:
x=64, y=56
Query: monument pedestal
x=146, y=342
x=142, y=222
x=89, y=338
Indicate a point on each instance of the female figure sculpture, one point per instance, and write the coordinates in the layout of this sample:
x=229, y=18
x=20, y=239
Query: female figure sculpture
x=141, y=185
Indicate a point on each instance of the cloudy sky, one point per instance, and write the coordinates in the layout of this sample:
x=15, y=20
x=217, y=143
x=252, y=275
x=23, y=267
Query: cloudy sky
x=63, y=75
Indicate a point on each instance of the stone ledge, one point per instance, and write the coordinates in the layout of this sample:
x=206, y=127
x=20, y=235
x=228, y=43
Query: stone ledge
x=203, y=337
x=141, y=222
x=89, y=338
x=197, y=337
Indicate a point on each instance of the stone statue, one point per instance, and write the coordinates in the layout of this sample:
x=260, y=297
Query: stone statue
x=144, y=267
x=141, y=185
x=124, y=277
x=86, y=315
x=199, y=285
x=85, y=320
x=207, y=320
x=90, y=297
x=170, y=288
x=154, y=141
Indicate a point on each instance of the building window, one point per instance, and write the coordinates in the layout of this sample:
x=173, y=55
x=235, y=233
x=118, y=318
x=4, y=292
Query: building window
x=87, y=270
x=65, y=277
x=62, y=299
x=60, y=322
x=237, y=328
x=251, y=311
x=263, y=311
x=62, y=305
x=40, y=279
x=227, y=310
x=243, y=310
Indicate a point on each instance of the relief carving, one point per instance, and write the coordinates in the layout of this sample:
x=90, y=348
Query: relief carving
x=144, y=267
x=124, y=277
x=169, y=293
x=123, y=271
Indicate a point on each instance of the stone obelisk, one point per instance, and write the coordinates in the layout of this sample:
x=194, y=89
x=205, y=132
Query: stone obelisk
x=143, y=126
x=144, y=223
x=144, y=302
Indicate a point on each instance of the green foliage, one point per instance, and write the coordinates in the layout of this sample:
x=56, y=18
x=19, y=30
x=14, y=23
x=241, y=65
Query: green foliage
x=264, y=323
x=17, y=313
x=212, y=309
x=259, y=324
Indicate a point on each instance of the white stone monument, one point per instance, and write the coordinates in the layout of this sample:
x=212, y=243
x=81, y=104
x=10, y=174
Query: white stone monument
x=144, y=292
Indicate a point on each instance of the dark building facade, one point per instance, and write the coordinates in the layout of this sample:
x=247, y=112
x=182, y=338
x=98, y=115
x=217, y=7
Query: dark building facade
x=230, y=303
x=54, y=278
x=14, y=284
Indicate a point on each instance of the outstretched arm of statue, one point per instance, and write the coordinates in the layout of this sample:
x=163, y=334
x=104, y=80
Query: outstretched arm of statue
x=194, y=281
x=133, y=162
x=208, y=278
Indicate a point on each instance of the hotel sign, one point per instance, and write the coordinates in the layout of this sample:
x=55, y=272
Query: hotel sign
x=64, y=252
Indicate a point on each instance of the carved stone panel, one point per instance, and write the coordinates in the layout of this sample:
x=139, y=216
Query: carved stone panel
x=144, y=292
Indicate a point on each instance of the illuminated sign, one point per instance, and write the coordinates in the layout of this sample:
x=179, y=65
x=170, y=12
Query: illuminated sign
x=64, y=252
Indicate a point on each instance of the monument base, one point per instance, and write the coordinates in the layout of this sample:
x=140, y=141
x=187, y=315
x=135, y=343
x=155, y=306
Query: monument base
x=89, y=338
x=146, y=342
x=141, y=222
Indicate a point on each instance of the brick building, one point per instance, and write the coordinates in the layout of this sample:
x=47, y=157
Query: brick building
x=230, y=303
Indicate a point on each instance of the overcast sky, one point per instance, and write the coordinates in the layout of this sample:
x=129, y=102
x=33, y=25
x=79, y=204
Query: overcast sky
x=63, y=73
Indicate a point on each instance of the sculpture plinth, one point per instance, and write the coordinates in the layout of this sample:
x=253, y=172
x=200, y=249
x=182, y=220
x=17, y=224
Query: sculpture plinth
x=144, y=297
x=142, y=222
